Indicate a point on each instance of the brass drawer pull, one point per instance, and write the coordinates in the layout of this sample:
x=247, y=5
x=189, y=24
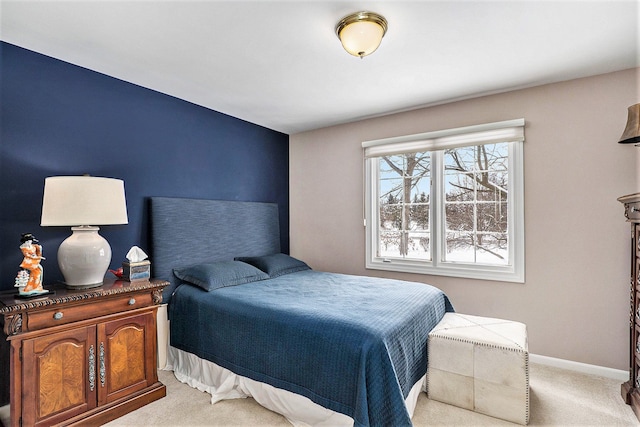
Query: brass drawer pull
x=58, y=315
x=132, y=301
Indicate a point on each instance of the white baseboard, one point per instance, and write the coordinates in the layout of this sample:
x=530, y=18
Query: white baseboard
x=616, y=374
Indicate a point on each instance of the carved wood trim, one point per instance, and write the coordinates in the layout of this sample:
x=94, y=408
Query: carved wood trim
x=155, y=285
x=13, y=324
x=156, y=295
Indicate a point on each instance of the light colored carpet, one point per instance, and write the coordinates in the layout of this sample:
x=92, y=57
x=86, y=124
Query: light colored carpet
x=558, y=398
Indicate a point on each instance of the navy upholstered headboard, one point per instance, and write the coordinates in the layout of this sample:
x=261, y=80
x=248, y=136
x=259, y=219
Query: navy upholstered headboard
x=189, y=231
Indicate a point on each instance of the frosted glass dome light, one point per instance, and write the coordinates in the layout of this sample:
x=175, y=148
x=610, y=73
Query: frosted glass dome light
x=361, y=33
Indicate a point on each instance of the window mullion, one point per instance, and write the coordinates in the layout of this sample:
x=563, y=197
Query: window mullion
x=372, y=228
x=475, y=236
x=436, y=207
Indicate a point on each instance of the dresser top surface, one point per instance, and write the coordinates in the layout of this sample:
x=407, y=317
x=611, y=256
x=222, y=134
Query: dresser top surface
x=10, y=301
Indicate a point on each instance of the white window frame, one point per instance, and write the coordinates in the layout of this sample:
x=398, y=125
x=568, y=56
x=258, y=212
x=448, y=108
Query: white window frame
x=511, y=131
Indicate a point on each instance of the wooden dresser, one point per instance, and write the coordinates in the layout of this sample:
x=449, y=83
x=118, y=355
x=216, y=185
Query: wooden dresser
x=631, y=389
x=82, y=356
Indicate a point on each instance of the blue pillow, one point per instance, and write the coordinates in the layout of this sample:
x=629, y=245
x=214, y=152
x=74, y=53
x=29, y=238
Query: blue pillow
x=276, y=264
x=214, y=275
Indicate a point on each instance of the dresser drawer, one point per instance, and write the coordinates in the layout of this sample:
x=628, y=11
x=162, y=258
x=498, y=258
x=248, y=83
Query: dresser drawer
x=74, y=313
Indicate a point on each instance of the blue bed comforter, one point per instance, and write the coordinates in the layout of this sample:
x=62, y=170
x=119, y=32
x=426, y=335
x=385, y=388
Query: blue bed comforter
x=353, y=344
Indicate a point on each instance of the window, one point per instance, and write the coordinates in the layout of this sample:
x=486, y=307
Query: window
x=448, y=202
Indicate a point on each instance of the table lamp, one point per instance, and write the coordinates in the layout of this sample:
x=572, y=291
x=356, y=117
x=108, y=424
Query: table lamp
x=83, y=202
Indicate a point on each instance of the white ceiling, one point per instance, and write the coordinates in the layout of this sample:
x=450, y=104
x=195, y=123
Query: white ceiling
x=279, y=63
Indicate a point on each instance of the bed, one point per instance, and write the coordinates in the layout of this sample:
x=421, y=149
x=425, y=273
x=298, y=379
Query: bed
x=247, y=320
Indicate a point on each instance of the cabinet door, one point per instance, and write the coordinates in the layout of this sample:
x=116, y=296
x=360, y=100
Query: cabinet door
x=58, y=377
x=127, y=349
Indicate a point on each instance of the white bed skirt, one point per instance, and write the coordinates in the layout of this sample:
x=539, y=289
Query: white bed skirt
x=223, y=384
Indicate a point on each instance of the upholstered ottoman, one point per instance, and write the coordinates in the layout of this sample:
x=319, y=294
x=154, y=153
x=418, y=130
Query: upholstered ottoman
x=481, y=364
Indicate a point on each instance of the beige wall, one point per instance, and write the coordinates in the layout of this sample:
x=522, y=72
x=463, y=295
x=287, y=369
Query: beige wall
x=575, y=301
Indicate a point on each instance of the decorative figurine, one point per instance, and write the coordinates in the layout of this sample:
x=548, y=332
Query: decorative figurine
x=21, y=280
x=29, y=279
x=118, y=273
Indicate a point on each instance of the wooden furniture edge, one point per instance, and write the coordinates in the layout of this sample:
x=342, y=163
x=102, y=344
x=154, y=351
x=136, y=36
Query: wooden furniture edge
x=110, y=412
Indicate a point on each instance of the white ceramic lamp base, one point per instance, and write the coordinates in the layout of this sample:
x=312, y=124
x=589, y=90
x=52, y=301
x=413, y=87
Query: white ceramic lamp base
x=84, y=258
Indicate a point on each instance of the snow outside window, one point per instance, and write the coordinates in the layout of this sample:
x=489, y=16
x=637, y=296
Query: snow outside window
x=448, y=202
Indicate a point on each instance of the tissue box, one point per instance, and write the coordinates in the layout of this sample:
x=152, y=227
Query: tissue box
x=133, y=271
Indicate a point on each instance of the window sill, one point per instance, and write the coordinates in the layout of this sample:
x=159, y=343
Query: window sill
x=481, y=272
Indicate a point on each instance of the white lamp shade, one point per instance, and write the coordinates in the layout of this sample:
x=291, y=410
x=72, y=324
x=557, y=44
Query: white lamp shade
x=83, y=200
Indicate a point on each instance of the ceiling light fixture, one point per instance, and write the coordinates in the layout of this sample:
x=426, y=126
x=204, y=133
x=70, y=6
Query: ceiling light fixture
x=361, y=33
x=631, y=134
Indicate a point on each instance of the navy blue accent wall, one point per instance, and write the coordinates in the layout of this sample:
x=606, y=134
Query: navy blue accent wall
x=60, y=119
